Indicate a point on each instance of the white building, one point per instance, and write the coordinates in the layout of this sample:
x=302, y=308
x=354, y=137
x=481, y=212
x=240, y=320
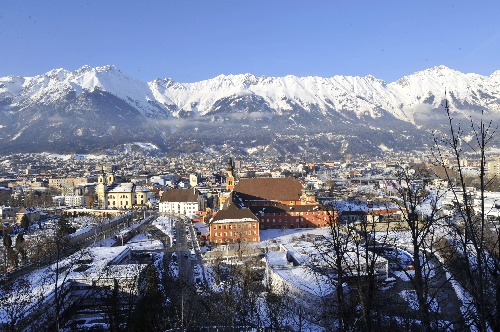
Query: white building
x=493, y=166
x=7, y=212
x=75, y=200
x=179, y=201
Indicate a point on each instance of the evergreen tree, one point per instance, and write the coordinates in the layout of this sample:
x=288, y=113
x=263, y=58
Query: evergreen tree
x=63, y=227
x=20, y=246
x=25, y=222
x=113, y=302
x=148, y=312
x=7, y=241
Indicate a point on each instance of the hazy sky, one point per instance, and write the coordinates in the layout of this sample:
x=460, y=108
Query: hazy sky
x=195, y=40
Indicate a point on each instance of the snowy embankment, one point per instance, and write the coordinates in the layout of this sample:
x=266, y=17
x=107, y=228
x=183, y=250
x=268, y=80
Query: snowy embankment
x=468, y=310
x=164, y=224
x=141, y=242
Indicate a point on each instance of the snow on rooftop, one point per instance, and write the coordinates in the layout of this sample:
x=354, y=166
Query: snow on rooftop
x=277, y=258
x=223, y=221
x=306, y=280
x=122, y=187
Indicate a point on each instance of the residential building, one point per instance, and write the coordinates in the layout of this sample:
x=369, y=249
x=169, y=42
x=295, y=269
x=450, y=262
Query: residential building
x=33, y=215
x=75, y=200
x=180, y=201
x=234, y=225
x=7, y=212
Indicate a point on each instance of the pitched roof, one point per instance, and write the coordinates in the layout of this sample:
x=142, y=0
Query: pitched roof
x=126, y=187
x=234, y=214
x=270, y=189
x=180, y=195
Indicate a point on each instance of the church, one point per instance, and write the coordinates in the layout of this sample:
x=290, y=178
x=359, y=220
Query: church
x=254, y=204
x=112, y=194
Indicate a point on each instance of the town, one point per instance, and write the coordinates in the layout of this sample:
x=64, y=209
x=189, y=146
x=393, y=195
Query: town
x=145, y=242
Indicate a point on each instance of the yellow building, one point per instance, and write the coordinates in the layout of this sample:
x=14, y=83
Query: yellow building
x=114, y=195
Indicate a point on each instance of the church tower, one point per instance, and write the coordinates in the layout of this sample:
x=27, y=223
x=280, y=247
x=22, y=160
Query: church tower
x=230, y=175
x=111, y=178
x=101, y=190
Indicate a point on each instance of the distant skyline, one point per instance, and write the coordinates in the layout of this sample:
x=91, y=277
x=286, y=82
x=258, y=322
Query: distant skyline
x=190, y=41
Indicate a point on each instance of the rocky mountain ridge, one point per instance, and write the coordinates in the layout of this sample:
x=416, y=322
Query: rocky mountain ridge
x=97, y=108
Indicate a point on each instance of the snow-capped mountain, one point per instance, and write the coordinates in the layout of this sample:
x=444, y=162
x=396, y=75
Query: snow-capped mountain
x=93, y=108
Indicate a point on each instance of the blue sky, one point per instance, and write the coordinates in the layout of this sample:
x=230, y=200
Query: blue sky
x=191, y=40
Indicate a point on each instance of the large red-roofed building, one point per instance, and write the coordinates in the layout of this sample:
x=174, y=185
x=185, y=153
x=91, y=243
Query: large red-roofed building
x=273, y=203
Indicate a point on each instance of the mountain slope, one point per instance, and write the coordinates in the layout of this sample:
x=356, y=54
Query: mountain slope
x=97, y=108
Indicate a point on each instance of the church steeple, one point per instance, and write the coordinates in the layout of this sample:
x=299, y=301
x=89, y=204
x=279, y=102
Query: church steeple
x=230, y=175
x=101, y=190
x=102, y=176
x=111, y=178
x=230, y=165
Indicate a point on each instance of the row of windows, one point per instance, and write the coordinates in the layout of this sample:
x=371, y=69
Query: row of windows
x=254, y=225
x=295, y=213
x=295, y=226
x=295, y=219
x=236, y=233
x=232, y=240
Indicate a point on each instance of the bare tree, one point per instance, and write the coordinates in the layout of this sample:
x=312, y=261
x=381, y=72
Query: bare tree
x=15, y=301
x=334, y=266
x=475, y=242
x=364, y=264
x=426, y=231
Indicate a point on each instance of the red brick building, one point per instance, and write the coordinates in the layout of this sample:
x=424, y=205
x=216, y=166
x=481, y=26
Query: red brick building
x=281, y=203
x=233, y=225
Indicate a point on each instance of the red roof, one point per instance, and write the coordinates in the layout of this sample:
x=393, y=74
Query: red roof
x=270, y=189
x=234, y=213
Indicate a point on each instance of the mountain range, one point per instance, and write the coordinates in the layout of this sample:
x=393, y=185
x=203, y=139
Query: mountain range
x=93, y=109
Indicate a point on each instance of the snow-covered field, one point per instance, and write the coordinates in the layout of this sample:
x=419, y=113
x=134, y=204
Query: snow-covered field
x=142, y=242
